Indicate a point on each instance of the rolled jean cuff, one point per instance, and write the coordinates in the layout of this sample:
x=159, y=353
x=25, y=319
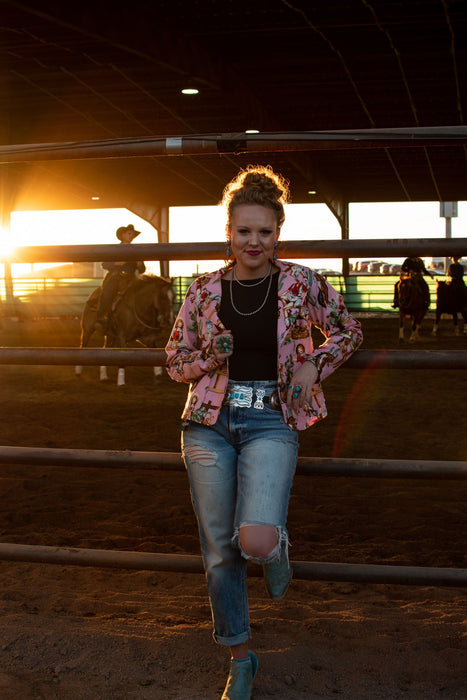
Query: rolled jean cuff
x=232, y=641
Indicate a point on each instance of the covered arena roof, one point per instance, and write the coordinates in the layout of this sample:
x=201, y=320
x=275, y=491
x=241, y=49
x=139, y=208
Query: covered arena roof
x=94, y=71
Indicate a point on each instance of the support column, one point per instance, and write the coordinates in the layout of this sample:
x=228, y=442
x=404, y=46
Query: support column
x=345, y=236
x=157, y=216
x=163, y=237
x=5, y=223
x=448, y=235
x=447, y=210
x=340, y=209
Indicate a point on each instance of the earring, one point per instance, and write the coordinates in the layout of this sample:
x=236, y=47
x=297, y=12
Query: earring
x=274, y=257
x=228, y=252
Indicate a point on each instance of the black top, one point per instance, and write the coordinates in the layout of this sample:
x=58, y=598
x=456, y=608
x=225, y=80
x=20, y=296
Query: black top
x=456, y=271
x=255, y=337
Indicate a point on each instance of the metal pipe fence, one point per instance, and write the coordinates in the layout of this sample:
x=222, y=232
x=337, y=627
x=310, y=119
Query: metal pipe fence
x=156, y=357
x=172, y=461
x=191, y=564
x=403, y=575
x=52, y=297
x=339, y=248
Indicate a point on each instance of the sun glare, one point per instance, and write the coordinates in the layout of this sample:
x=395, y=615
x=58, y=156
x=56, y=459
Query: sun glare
x=7, y=247
x=73, y=227
x=203, y=224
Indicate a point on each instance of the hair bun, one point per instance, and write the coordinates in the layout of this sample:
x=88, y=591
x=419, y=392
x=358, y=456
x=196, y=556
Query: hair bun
x=266, y=180
x=257, y=184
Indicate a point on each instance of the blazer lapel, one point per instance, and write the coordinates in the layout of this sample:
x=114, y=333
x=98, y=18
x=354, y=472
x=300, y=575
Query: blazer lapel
x=291, y=298
x=211, y=294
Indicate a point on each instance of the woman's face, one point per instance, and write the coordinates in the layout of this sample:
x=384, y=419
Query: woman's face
x=253, y=233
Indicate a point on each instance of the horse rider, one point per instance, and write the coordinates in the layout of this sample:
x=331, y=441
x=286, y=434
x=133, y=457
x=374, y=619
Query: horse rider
x=413, y=267
x=456, y=270
x=118, y=277
x=456, y=274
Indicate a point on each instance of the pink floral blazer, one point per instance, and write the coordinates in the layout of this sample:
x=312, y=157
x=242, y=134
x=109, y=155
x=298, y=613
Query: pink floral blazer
x=304, y=299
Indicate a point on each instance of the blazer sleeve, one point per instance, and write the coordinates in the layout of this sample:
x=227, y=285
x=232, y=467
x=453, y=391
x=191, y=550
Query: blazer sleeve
x=189, y=348
x=342, y=332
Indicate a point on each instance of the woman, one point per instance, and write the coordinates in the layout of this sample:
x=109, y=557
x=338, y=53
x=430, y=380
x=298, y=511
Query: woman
x=242, y=340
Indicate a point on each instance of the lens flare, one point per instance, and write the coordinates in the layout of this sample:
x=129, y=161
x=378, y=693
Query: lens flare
x=7, y=247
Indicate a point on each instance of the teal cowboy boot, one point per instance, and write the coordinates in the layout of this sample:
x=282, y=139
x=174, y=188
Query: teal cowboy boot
x=278, y=575
x=241, y=677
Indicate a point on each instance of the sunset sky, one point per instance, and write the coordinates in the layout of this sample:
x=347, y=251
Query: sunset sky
x=303, y=222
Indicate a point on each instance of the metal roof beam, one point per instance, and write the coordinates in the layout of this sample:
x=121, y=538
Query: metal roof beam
x=235, y=143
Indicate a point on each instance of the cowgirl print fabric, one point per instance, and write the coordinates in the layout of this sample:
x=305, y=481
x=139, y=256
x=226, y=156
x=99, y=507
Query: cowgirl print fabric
x=305, y=299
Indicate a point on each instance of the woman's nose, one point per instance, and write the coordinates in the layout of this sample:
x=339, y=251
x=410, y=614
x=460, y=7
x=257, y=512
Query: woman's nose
x=253, y=240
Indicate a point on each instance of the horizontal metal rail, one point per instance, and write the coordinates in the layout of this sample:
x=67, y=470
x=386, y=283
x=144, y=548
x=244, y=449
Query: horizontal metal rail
x=310, y=571
x=156, y=357
x=351, y=248
x=118, y=357
x=172, y=461
x=197, y=144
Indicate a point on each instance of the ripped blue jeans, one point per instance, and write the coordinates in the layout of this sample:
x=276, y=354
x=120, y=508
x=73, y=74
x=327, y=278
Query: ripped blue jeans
x=241, y=471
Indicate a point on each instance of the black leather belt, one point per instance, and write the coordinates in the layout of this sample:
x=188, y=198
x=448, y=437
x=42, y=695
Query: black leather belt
x=273, y=400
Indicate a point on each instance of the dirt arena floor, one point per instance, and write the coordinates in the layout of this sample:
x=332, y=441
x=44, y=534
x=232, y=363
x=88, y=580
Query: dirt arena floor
x=77, y=633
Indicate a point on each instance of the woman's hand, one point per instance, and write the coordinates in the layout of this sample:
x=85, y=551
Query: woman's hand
x=300, y=388
x=222, y=346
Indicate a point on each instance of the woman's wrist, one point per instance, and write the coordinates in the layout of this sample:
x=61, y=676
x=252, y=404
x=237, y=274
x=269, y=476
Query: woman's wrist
x=316, y=361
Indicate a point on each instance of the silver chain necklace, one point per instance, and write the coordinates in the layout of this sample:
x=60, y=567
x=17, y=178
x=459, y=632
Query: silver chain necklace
x=250, y=313
x=234, y=272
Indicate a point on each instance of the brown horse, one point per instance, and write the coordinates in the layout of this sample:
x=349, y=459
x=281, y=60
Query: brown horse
x=144, y=308
x=414, y=301
x=451, y=298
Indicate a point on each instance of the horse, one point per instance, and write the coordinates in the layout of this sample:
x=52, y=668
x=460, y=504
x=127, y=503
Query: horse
x=139, y=313
x=413, y=303
x=451, y=298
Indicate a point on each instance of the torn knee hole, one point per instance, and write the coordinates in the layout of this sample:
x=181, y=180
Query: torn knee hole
x=263, y=549
x=201, y=455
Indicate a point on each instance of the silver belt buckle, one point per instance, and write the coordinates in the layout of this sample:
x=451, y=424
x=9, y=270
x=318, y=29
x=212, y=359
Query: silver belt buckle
x=274, y=401
x=240, y=396
x=259, y=399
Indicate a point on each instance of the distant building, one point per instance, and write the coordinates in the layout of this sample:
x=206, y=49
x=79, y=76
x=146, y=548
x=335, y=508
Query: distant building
x=438, y=263
x=434, y=263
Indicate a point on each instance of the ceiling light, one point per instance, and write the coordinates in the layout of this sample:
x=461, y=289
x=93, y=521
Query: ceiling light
x=190, y=91
x=95, y=199
x=311, y=191
x=252, y=131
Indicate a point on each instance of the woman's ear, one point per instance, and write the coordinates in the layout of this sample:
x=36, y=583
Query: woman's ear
x=228, y=250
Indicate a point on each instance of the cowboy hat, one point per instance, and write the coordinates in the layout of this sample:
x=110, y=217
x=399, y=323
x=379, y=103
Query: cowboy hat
x=130, y=228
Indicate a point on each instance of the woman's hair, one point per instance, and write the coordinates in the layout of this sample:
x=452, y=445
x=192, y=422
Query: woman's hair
x=257, y=184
